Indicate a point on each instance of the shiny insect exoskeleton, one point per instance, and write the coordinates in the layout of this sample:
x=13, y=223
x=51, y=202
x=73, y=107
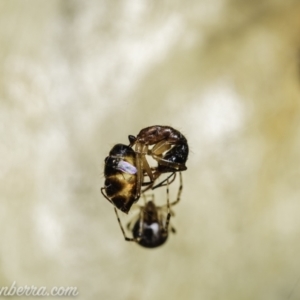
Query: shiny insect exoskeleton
x=166, y=145
x=120, y=171
x=151, y=227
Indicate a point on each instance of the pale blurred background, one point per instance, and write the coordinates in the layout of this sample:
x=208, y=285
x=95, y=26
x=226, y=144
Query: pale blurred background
x=77, y=77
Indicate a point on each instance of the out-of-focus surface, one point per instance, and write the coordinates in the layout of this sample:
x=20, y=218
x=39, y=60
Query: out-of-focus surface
x=77, y=77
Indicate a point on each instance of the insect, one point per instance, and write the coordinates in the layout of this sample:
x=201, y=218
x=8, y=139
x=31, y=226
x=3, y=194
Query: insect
x=120, y=171
x=151, y=227
x=169, y=148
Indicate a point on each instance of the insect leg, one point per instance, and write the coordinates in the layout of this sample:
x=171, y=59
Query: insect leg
x=179, y=190
x=122, y=229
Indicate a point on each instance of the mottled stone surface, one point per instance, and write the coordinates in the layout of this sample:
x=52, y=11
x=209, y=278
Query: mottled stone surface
x=77, y=77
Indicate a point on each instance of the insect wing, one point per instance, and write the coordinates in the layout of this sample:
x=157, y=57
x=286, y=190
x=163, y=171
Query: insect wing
x=126, y=167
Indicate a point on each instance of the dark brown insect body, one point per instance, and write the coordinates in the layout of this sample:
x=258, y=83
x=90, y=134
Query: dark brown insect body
x=151, y=227
x=120, y=187
x=150, y=230
x=169, y=148
x=153, y=134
